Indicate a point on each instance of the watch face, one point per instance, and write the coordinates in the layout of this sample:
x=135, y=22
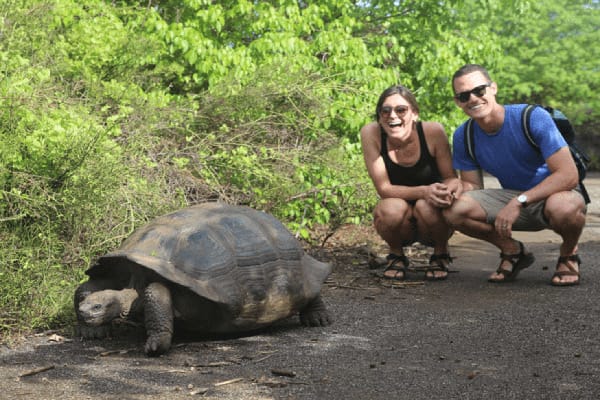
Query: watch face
x=522, y=199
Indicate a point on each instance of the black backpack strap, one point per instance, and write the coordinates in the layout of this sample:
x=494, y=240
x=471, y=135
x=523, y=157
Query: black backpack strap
x=469, y=142
x=584, y=193
x=526, y=123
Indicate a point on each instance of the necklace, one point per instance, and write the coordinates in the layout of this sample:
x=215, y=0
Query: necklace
x=405, y=147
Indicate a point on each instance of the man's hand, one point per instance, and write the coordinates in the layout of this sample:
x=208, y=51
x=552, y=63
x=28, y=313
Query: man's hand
x=455, y=187
x=506, y=217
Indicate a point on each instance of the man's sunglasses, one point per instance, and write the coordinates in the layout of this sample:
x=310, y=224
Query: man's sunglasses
x=478, y=91
x=386, y=111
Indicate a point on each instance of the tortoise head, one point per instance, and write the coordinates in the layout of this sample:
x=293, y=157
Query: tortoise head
x=104, y=306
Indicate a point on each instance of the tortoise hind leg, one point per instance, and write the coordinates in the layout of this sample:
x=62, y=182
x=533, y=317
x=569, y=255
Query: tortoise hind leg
x=315, y=314
x=158, y=319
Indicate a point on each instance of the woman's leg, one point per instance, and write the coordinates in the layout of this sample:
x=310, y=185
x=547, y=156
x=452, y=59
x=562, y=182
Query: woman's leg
x=433, y=229
x=392, y=221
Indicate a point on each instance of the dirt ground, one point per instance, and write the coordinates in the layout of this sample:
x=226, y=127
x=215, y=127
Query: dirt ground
x=463, y=338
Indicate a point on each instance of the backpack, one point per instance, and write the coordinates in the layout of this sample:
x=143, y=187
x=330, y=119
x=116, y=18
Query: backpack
x=565, y=128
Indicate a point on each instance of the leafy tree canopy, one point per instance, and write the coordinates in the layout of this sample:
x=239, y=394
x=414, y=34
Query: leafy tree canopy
x=547, y=53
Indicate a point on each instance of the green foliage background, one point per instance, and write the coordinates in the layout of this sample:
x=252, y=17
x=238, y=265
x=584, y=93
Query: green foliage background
x=113, y=112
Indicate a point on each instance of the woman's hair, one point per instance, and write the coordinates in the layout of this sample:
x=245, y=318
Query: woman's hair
x=402, y=91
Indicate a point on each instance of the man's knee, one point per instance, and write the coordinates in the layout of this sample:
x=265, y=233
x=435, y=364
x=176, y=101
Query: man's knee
x=455, y=213
x=451, y=216
x=461, y=210
x=565, y=209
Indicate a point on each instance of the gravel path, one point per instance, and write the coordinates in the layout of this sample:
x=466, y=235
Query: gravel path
x=462, y=338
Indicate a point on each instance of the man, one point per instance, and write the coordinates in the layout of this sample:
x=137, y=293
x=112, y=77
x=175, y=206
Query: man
x=539, y=187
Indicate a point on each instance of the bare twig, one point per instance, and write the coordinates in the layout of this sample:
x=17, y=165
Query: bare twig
x=282, y=372
x=111, y=352
x=263, y=358
x=36, y=371
x=13, y=218
x=235, y=380
x=214, y=364
x=406, y=284
x=349, y=287
x=202, y=390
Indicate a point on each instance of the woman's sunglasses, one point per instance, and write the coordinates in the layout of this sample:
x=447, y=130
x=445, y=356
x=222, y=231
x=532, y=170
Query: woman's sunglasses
x=386, y=111
x=478, y=91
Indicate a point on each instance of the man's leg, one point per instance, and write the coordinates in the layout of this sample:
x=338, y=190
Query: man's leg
x=565, y=212
x=469, y=217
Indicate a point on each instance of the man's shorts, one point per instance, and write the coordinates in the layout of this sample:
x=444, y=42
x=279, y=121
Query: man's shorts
x=492, y=201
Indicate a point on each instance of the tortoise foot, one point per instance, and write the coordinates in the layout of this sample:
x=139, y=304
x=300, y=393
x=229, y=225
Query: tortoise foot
x=157, y=344
x=315, y=314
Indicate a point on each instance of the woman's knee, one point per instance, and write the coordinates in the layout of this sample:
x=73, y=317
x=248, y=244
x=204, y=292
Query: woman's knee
x=391, y=210
x=428, y=214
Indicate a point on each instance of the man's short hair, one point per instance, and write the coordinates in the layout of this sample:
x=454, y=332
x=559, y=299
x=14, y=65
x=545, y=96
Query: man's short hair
x=470, y=68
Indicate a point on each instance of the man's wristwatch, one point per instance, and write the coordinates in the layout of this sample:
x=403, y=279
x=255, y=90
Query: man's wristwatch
x=522, y=199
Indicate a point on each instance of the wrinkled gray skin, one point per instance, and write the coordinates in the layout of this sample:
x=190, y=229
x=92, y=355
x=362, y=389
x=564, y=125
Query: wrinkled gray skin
x=212, y=268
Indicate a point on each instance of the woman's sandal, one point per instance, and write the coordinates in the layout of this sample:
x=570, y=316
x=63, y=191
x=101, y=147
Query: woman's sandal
x=519, y=262
x=570, y=272
x=392, y=265
x=436, y=263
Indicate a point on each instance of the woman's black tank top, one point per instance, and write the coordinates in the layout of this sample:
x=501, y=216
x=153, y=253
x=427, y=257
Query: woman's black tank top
x=423, y=172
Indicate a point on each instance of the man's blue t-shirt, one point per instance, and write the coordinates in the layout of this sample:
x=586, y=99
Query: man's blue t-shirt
x=507, y=154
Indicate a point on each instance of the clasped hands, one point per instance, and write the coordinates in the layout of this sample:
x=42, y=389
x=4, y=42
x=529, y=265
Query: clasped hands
x=442, y=195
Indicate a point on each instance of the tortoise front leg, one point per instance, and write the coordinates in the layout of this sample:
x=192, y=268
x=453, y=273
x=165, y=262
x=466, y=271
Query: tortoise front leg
x=158, y=318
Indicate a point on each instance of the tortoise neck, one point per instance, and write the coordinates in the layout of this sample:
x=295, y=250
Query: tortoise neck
x=128, y=300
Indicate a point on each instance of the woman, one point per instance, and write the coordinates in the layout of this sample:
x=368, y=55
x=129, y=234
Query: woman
x=411, y=167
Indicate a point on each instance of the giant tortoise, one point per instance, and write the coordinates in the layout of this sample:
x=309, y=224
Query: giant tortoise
x=211, y=268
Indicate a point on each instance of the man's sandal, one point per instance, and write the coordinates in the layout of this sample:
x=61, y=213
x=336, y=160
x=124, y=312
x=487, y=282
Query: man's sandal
x=570, y=272
x=392, y=265
x=519, y=262
x=436, y=263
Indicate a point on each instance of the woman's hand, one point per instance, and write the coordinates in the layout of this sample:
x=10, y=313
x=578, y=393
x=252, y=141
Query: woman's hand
x=439, y=195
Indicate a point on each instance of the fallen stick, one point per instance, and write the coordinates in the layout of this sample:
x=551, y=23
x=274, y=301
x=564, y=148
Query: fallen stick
x=353, y=287
x=403, y=283
x=263, y=358
x=213, y=364
x=111, y=352
x=281, y=372
x=36, y=371
x=199, y=391
x=229, y=381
